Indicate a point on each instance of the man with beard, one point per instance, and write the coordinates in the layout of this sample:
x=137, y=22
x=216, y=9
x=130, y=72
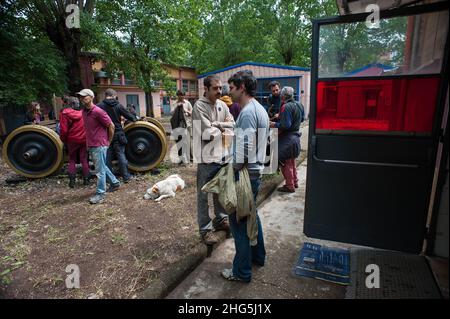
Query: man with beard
x=274, y=100
x=210, y=118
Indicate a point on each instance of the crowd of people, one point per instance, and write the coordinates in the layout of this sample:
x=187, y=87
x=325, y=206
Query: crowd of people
x=233, y=105
x=97, y=130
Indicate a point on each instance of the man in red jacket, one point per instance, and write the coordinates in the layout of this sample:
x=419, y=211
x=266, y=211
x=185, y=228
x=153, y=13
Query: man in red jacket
x=72, y=134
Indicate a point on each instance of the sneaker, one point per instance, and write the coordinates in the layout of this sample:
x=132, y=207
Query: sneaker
x=97, y=199
x=86, y=180
x=285, y=189
x=127, y=179
x=71, y=181
x=228, y=275
x=210, y=238
x=113, y=187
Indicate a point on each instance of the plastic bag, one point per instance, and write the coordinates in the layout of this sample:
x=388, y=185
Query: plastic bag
x=223, y=185
x=244, y=194
x=246, y=206
x=236, y=196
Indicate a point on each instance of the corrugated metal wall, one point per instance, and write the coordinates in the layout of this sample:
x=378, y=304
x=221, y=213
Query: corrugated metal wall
x=268, y=72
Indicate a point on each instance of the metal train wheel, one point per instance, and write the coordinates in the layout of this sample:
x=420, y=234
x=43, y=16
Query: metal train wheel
x=147, y=146
x=33, y=151
x=156, y=122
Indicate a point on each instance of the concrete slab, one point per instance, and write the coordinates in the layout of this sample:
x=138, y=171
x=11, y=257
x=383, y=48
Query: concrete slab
x=282, y=220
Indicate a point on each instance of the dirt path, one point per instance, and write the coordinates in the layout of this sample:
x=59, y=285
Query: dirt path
x=119, y=245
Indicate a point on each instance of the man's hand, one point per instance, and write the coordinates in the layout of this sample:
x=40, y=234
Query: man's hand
x=275, y=118
x=272, y=124
x=111, y=129
x=217, y=125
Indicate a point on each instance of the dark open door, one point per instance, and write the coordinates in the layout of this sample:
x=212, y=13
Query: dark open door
x=377, y=98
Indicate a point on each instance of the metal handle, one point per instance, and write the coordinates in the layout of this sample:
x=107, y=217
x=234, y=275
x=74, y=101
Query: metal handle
x=314, y=144
x=364, y=163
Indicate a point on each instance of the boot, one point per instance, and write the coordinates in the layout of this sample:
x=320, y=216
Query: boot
x=71, y=180
x=86, y=180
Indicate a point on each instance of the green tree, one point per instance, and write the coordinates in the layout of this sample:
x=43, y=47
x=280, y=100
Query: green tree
x=268, y=31
x=346, y=47
x=31, y=67
x=137, y=37
x=236, y=31
x=294, y=32
x=49, y=17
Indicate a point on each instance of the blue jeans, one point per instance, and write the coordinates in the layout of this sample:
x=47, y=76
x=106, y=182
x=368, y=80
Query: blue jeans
x=98, y=155
x=118, y=150
x=245, y=253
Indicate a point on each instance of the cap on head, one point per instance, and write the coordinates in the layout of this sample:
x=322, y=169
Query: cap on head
x=86, y=92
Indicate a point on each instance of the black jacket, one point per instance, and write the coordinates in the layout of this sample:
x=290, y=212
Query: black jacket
x=115, y=110
x=178, y=119
x=274, y=104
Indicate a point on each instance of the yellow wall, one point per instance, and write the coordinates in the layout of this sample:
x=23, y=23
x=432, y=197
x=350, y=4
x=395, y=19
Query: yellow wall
x=175, y=73
x=98, y=65
x=186, y=73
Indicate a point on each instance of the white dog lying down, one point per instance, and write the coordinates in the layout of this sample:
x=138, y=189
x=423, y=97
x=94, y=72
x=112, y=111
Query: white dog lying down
x=165, y=188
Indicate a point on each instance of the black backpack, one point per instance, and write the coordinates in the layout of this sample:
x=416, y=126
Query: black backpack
x=177, y=119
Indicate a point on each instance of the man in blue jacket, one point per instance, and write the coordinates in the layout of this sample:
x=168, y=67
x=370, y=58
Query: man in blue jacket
x=291, y=115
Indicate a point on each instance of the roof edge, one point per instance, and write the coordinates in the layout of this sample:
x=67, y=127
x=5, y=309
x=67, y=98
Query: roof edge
x=288, y=67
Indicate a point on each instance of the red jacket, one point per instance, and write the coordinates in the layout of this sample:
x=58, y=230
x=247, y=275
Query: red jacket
x=72, y=126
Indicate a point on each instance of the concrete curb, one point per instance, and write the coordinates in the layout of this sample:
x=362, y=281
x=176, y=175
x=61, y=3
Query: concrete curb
x=160, y=287
x=172, y=276
x=272, y=184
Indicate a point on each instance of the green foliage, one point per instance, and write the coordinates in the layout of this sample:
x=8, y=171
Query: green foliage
x=346, y=47
x=31, y=68
x=268, y=31
x=136, y=37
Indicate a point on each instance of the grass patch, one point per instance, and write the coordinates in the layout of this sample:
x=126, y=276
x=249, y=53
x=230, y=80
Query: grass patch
x=54, y=235
x=163, y=170
x=118, y=239
x=101, y=219
x=53, y=281
x=266, y=177
x=16, y=251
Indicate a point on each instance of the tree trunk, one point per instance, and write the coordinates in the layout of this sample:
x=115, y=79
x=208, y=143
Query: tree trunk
x=53, y=16
x=149, y=104
x=69, y=43
x=288, y=55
